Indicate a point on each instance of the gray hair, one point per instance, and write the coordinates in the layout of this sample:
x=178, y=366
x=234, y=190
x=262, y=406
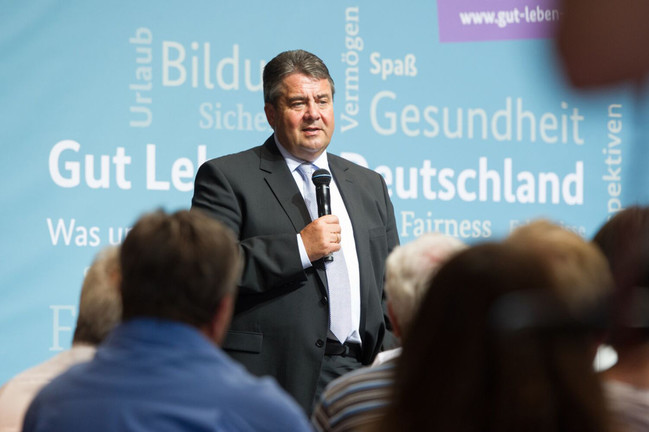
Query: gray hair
x=292, y=62
x=409, y=269
x=100, y=306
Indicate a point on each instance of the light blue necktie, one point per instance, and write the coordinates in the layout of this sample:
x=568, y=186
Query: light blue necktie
x=340, y=310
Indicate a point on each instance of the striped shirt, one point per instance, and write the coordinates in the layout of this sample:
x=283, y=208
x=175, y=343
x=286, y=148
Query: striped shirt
x=355, y=400
x=630, y=405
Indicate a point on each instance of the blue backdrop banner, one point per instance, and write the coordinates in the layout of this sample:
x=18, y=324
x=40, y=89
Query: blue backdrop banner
x=107, y=110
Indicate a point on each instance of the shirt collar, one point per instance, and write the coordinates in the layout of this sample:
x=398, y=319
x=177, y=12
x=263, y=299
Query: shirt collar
x=293, y=162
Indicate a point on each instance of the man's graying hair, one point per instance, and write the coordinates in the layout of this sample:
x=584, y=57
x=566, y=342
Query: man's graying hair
x=292, y=62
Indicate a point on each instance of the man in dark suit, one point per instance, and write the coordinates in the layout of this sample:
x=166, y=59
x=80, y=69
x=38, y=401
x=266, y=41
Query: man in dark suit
x=300, y=317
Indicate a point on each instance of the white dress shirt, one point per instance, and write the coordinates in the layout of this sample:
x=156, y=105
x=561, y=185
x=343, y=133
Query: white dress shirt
x=346, y=234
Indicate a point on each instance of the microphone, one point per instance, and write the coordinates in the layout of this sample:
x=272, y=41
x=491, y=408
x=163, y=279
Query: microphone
x=321, y=179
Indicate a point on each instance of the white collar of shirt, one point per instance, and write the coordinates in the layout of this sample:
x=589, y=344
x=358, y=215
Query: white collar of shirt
x=293, y=162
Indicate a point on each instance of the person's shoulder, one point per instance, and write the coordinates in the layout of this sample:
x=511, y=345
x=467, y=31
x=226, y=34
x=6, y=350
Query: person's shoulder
x=365, y=180
x=354, y=398
x=64, y=382
x=233, y=159
x=348, y=164
x=264, y=391
x=279, y=402
x=29, y=382
x=359, y=380
x=61, y=387
x=359, y=171
x=273, y=408
x=244, y=156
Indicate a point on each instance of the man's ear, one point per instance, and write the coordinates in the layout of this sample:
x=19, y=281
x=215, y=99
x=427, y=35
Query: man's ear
x=271, y=114
x=220, y=323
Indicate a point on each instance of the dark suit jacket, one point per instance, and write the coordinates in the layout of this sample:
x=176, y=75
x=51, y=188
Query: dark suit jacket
x=281, y=315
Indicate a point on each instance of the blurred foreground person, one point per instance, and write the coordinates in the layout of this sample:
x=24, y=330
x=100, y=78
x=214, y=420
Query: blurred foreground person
x=161, y=369
x=624, y=239
x=357, y=398
x=513, y=357
x=99, y=312
x=602, y=42
x=580, y=272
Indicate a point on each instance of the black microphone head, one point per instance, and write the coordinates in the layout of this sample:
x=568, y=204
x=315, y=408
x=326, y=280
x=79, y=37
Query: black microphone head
x=321, y=177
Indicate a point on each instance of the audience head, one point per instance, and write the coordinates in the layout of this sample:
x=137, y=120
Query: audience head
x=288, y=63
x=624, y=240
x=579, y=269
x=100, y=307
x=409, y=268
x=180, y=267
x=461, y=369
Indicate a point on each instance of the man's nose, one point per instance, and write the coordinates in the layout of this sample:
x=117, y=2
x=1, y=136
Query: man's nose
x=312, y=111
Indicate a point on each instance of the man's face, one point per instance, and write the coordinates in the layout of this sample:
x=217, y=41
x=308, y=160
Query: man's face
x=303, y=119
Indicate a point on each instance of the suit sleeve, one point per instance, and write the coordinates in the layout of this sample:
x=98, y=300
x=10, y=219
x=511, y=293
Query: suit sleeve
x=271, y=261
x=389, y=340
x=391, y=227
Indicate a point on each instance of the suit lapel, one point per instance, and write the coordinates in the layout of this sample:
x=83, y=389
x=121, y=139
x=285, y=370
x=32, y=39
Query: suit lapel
x=282, y=184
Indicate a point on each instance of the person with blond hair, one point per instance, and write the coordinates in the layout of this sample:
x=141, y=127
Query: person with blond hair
x=98, y=313
x=358, y=398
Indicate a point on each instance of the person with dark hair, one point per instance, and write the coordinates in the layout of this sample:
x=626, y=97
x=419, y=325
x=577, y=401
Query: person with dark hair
x=311, y=303
x=98, y=313
x=624, y=239
x=493, y=349
x=161, y=368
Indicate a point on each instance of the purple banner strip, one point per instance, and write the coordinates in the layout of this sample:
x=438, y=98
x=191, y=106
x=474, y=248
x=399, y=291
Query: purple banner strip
x=483, y=20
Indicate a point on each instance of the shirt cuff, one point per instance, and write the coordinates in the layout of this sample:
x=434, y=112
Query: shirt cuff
x=306, y=262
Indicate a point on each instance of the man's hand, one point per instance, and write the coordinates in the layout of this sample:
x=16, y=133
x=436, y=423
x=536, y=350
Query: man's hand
x=321, y=237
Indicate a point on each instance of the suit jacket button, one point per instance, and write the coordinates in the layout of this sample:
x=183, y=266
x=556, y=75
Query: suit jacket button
x=319, y=343
x=324, y=300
